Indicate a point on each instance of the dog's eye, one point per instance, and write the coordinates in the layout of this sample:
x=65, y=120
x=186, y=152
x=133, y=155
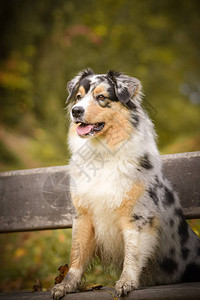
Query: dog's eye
x=78, y=97
x=101, y=97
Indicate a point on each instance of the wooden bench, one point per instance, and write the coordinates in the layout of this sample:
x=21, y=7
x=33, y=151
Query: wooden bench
x=39, y=199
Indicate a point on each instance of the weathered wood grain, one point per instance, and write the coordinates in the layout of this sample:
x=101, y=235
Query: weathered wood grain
x=189, y=291
x=35, y=199
x=39, y=198
x=183, y=171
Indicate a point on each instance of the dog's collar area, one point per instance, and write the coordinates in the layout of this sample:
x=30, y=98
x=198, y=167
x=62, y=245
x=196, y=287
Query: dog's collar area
x=89, y=129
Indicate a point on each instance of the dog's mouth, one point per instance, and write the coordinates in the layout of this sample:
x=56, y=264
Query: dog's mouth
x=85, y=129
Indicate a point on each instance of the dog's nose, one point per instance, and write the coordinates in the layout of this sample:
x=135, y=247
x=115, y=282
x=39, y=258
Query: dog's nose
x=78, y=111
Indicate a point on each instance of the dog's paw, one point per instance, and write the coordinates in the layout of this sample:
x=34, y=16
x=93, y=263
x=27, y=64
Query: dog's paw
x=63, y=288
x=123, y=287
x=69, y=284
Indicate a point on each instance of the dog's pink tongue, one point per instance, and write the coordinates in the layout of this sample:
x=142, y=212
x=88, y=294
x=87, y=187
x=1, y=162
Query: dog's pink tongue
x=84, y=129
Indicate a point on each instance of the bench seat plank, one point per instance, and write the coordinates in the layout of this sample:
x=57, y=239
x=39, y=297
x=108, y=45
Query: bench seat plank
x=189, y=291
x=38, y=199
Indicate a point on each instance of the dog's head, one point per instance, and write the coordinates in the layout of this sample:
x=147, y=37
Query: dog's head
x=102, y=102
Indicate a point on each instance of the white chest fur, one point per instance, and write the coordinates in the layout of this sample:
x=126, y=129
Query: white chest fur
x=102, y=185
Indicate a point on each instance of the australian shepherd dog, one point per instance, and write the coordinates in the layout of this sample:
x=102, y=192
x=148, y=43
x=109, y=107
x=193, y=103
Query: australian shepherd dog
x=126, y=212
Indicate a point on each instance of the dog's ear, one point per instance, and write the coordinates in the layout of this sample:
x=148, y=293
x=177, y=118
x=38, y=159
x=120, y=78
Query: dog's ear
x=73, y=85
x=127, y=89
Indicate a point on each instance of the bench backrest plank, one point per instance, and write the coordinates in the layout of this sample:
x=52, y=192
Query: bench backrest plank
x=39, y=199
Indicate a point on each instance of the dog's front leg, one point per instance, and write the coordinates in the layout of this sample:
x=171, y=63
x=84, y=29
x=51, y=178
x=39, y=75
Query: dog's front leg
x=140, y=236
x=129, y=278
x=81, y=253
x=138, y=248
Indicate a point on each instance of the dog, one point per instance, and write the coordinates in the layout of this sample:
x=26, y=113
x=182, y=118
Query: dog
x=126, y=212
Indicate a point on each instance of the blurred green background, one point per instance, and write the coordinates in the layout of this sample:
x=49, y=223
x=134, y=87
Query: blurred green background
x=44, y=43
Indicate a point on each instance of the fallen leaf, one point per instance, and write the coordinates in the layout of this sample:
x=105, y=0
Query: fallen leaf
x=112, y=294
x=86, y=286
x=37, y=287
x=63, y=272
